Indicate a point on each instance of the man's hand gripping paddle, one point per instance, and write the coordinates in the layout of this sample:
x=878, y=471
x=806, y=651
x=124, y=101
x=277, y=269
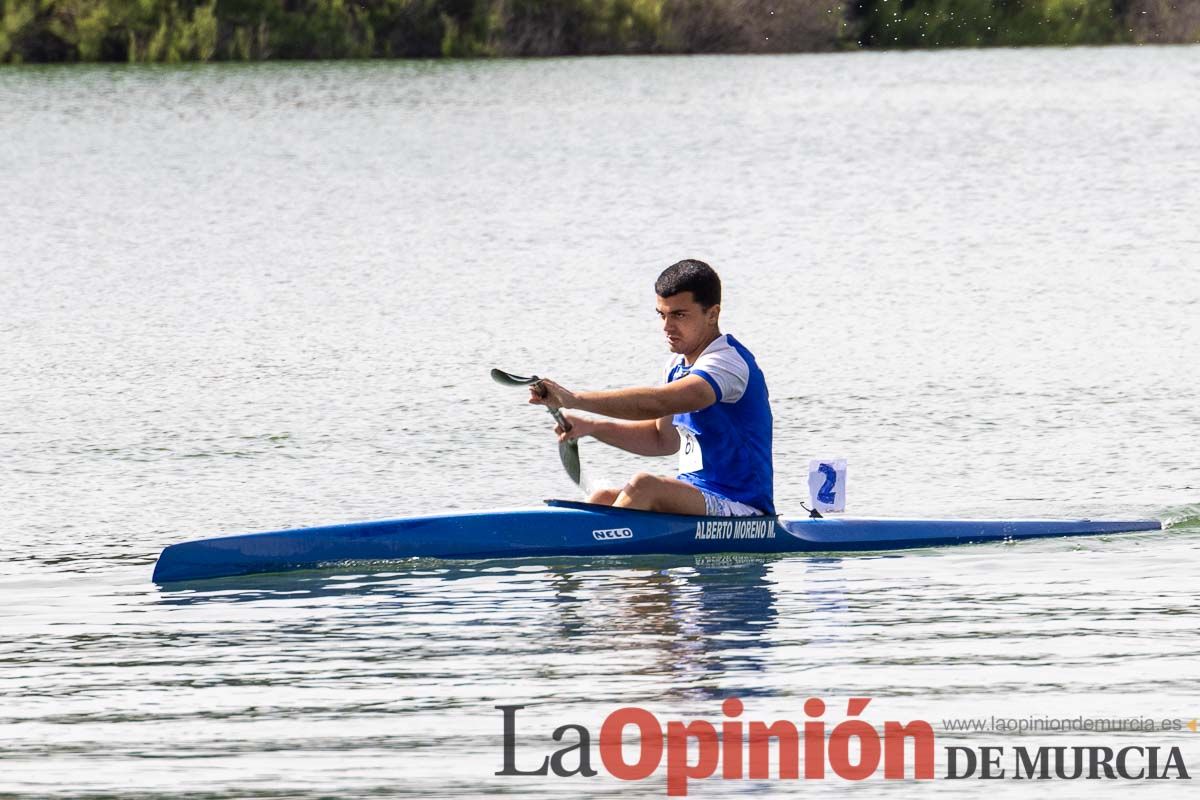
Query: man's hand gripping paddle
x=568, y=451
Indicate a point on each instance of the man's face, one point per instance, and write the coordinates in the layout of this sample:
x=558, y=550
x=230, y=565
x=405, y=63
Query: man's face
x=686, y=324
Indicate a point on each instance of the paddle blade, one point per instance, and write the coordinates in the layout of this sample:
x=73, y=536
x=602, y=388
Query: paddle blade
x=508, y=379
x=569, y=453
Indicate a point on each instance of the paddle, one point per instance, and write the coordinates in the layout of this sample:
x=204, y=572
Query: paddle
x=567, y=451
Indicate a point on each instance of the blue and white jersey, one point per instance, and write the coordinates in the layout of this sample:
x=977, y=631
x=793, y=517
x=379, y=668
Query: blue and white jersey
x=726, y=448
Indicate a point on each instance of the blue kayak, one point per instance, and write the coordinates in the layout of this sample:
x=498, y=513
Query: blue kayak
x=567, y=528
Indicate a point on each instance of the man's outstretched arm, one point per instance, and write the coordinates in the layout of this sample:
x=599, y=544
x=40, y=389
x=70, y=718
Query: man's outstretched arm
x=691, y=393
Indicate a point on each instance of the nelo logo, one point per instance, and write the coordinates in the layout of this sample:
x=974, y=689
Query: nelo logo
x=612, y=533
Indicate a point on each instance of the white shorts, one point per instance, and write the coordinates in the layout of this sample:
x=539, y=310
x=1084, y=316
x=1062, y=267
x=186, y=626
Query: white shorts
x=717, y=506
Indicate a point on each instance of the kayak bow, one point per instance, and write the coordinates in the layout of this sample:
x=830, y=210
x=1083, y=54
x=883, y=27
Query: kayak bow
x=567, y=528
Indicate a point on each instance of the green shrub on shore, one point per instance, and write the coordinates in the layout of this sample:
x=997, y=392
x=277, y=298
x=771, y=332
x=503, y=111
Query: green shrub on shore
x=205, y=30
x=983, y=23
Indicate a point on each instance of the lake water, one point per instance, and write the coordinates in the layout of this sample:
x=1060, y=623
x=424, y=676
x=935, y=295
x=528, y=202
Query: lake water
x=251, y=297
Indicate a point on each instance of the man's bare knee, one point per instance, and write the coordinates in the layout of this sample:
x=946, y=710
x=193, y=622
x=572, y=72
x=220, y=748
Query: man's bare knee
x=656, y=493
x=641, y=483
x=641, y=492
x=604, y=497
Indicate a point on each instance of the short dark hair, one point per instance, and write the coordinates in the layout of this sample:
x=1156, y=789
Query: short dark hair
x=692, y=276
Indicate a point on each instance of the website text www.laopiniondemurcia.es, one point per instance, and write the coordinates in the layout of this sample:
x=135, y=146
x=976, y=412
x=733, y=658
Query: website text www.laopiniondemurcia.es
x=853, y=749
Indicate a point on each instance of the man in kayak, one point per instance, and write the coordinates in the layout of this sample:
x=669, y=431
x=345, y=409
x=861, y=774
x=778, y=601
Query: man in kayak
x=712, y=408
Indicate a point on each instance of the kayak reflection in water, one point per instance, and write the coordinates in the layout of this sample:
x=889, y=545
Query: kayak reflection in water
x=712, y=408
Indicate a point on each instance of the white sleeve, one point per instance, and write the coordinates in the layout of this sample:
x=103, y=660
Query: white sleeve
x=726, y=371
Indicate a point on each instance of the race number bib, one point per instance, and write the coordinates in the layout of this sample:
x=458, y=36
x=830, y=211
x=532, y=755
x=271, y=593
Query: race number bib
x=690, y=457
x=827, y=484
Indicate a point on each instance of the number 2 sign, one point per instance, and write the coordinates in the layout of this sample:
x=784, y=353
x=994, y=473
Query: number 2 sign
x=827, y=484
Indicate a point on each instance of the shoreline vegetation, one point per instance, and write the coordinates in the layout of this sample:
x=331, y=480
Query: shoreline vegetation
x=170, y=31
